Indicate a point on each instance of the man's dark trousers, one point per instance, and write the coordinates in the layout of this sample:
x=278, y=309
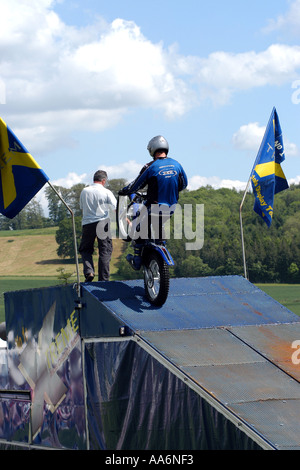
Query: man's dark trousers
x=105, y=248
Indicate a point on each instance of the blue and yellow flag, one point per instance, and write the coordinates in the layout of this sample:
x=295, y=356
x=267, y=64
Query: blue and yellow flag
x=21, y=177
x=267, y=177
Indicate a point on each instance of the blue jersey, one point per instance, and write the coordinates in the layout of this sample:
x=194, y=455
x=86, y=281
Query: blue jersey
x=165, y=178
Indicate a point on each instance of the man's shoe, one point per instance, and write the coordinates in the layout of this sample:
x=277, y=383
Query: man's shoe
x=89, y=277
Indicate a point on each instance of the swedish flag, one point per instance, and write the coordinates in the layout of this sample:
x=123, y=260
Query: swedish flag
x=267, y=177
x=21, y=177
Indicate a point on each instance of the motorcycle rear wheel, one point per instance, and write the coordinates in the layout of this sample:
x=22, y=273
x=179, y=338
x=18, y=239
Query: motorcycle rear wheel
x=156, y=279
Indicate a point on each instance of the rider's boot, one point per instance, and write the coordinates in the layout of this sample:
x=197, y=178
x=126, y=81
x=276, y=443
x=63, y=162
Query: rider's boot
x=135, y=260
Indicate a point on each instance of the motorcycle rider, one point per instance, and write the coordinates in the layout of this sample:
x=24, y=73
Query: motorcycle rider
x=165, y=178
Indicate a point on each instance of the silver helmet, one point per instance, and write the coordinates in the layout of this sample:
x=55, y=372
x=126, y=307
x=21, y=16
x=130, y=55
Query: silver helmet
x=157, y=143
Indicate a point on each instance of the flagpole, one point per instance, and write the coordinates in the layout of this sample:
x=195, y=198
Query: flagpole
x=74, y=236
x=245, y=193
x=242, y=232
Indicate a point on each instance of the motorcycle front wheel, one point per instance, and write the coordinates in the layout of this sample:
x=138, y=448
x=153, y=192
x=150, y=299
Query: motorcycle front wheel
x=156, y=279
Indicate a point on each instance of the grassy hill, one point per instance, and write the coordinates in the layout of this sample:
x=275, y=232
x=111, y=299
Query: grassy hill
x=28, y=259
x=32, y=253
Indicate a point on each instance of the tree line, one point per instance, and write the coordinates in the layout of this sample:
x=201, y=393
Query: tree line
x=32, y=216
x=272, y=254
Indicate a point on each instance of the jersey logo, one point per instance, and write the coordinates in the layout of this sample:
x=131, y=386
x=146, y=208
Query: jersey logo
x=168, y=173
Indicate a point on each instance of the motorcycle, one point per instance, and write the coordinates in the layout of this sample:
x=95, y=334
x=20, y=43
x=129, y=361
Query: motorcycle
x=151, y=253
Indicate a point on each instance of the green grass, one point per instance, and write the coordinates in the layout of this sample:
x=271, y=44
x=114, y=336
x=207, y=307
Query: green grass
x=286, y=294
x=32, y=232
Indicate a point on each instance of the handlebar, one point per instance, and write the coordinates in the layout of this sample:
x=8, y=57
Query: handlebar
x=135, y=196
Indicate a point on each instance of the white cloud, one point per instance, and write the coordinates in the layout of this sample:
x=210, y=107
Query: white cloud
x=69, y=78
x=295, y=180
x=47, y=131
x=290, y=21
x=196, y=182
x=222, y=74
x=127, y=170
x=249, y=138
x=60, y=79
x=291, y=149
x=71, y=179
x=66, y=182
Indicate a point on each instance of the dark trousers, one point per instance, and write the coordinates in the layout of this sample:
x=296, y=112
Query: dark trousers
x=105, y=248
x=155, y=221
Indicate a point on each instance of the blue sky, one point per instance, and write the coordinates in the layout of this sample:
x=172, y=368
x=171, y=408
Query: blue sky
x=85, y=84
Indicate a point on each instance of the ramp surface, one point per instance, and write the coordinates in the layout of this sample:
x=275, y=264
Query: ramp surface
x=227, y=338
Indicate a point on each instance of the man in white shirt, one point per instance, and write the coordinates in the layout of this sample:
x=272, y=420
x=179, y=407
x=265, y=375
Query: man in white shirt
x=95, y=202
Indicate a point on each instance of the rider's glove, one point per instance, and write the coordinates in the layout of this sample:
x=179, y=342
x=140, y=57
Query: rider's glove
x=123, y=192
